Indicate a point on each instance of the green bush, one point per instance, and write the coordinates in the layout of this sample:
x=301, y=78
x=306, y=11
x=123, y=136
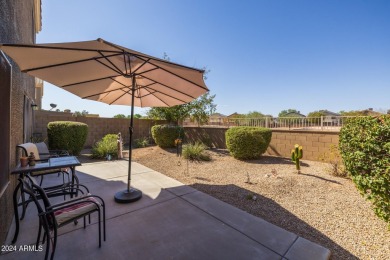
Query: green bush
x=67, y=135
x=141, y=142
x=365, y=149
x=165, y=135
x=108, y=145
x=247, y=142
x=195, y=152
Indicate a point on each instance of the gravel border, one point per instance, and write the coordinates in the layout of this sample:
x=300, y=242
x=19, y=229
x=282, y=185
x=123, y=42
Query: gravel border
x=314, y=204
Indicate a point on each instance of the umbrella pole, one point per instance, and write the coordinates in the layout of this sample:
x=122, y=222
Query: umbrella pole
x=130, y=194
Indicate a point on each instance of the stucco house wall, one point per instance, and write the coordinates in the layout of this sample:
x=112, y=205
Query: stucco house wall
x=17, y=25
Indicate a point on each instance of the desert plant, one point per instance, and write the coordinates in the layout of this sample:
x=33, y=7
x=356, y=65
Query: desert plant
x=141, y=142
x=196, y=152
x=365, y=149
x=67, y=135
x=296, y=155
x=165, y=135
x=336, y=166
x=247, y=142
x=108, y=145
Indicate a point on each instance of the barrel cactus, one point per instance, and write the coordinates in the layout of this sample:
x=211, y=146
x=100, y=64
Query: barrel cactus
x=296, y=155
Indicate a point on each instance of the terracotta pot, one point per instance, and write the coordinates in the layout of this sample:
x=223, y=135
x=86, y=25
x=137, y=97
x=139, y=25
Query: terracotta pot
x=23, y=161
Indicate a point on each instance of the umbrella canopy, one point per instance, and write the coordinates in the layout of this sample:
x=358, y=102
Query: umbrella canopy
x=112, y=74
x=102, y=71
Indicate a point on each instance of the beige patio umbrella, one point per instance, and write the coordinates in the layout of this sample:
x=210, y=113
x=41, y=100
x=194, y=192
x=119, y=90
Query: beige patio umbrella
x=112, y=74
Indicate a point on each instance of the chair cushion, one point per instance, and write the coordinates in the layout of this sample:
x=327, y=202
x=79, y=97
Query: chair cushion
x=73, y=211
x=42, y=148
x=30, y=147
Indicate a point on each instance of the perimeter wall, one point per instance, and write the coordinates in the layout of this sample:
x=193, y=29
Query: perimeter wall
x=97, y=126
x=315, y=143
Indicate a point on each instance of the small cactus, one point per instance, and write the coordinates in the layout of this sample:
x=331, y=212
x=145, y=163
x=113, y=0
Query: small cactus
x=296, y=155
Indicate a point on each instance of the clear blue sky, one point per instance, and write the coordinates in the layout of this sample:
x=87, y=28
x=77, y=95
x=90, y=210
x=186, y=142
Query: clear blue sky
x=264, y=55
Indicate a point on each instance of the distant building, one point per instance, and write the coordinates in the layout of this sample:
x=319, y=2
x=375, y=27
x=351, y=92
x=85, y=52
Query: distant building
x=330, y=118
x=217, y=119
x=235, y=115
x=294, y=114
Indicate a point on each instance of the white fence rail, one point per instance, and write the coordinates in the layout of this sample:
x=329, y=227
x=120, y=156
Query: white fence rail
x=333, y=123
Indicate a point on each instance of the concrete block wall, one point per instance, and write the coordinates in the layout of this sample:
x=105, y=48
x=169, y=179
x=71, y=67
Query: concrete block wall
x=315, y=143
x=97, y=126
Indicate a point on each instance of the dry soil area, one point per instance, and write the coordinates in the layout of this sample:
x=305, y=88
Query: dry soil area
x=314, y=204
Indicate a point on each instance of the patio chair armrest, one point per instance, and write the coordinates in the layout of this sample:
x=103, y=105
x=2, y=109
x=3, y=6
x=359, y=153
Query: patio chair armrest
x=73, y=202
x=56, y=189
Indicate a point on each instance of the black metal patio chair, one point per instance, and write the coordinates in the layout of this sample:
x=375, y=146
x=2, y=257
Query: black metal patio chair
x=54, y=216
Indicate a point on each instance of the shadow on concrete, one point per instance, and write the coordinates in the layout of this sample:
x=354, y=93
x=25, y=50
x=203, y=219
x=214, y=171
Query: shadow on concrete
x=272, y=212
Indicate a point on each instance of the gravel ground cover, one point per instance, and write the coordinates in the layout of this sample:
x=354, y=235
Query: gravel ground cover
x=314, y=204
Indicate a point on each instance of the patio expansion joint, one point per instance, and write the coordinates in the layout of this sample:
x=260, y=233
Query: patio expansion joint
x=288, y=249
x=232, y=227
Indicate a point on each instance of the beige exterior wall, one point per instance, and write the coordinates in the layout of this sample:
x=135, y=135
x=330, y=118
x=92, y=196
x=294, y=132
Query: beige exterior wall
x=97, y=126
x=16, y=26
x=315, y=144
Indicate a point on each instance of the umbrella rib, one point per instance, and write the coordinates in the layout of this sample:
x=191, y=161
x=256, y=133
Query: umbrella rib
x=145, y=61
x=55, y=48
x=117, y=69
x=62, y=64
x=105, y=92
x=147, y=88
x=159, y=98
x=92, y=80
x=177, y=75
x=169, y=87
x=126, y=92
x=148, y=57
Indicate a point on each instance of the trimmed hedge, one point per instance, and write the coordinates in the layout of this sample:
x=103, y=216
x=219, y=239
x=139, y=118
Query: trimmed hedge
x=247, y=142
x=165, y=135
x=365, y=149
x=67, y=135
x=108, y=145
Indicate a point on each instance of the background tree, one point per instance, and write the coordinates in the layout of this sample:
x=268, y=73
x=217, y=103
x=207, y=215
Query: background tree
x=123, y=116
x=366, y=112
x=316, y=114
x=199, y=109
x=254, y=114
x=285, y=112
x=82, y=113
x=119, y=116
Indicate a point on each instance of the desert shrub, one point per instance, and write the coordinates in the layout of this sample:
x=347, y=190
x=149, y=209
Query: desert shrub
x=247, y=142
x=108, y=145
x=141, y=142
x=196, y=152
x=165, y=135
x=67, y=135
x=365, y=149
x=336, y=166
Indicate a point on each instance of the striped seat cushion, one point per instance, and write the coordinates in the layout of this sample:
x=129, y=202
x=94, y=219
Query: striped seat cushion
x=73, y=211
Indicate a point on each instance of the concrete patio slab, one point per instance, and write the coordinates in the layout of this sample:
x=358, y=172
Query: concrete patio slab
x=271, y=236
x=171, y=221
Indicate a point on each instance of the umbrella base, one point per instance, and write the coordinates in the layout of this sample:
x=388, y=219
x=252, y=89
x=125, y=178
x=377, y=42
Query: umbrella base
x=126, y=196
